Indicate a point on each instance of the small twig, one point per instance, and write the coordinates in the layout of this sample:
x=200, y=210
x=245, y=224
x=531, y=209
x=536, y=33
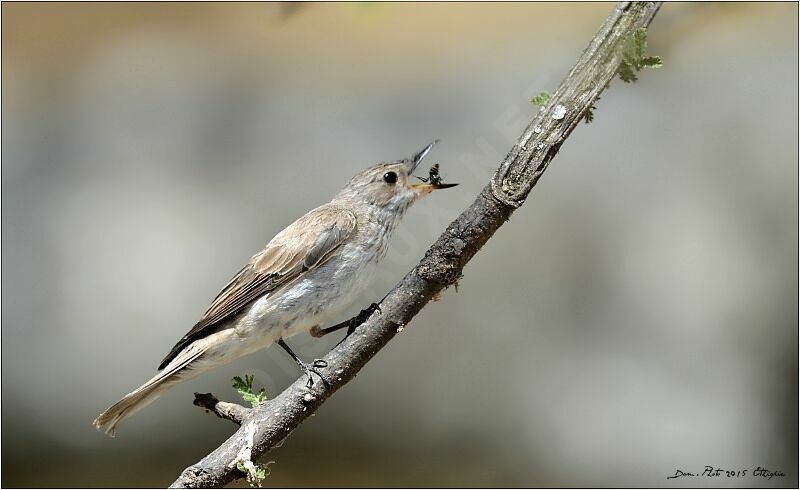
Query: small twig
x=224, y=410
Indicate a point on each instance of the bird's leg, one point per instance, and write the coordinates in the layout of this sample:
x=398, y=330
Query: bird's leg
x=350, y=324
x=308, y=368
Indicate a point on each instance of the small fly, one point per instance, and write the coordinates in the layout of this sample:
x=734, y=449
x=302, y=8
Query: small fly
x=435, y=178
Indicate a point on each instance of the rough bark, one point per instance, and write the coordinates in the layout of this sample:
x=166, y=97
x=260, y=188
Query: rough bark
x=265, y=427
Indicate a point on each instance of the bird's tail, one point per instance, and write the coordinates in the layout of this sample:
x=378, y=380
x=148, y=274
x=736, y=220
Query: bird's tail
x=180, y=369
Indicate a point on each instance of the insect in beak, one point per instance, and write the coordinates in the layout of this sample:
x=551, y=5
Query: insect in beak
x=432, y=182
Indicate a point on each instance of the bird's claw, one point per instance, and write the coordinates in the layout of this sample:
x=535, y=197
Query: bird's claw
x=363, y=316
x=368, y=311
x=313, y=368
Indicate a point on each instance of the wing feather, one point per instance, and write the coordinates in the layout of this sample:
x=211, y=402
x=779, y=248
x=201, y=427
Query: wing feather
x=302, y=246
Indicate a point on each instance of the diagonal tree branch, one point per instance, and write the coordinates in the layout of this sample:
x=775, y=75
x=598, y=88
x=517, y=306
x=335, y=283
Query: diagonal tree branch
x=265, y=427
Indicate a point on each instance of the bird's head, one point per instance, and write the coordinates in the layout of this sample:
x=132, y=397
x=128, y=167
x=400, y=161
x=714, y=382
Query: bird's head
x=390, y=185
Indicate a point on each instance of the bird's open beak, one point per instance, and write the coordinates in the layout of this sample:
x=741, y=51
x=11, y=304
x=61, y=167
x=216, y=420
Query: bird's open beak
x=423, y=188
x=419, y=156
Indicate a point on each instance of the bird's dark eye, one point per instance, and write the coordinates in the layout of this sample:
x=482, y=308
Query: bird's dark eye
x=390, y=177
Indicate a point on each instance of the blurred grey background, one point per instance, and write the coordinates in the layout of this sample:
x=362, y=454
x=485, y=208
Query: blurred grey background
x=638, y=315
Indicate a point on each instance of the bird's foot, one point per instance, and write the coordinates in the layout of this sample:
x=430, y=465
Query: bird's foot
x=313, y=367
x=308, y=368
x=363, y=316
x=350, y=324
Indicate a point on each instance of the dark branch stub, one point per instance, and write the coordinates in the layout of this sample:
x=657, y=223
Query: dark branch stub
x=443, y=263
x=224, y=410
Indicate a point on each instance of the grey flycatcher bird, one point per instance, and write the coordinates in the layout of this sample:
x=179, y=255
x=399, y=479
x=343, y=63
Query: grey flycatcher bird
x=306, y=275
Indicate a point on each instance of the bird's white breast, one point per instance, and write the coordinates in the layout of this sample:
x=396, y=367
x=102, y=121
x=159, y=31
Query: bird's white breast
x=320, y=294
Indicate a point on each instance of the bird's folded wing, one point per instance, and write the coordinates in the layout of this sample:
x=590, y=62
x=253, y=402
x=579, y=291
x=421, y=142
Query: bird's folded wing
x=300, y=247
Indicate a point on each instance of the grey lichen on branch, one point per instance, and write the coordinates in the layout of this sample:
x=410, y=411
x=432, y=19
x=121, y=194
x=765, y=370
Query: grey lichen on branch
x=444, y=261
